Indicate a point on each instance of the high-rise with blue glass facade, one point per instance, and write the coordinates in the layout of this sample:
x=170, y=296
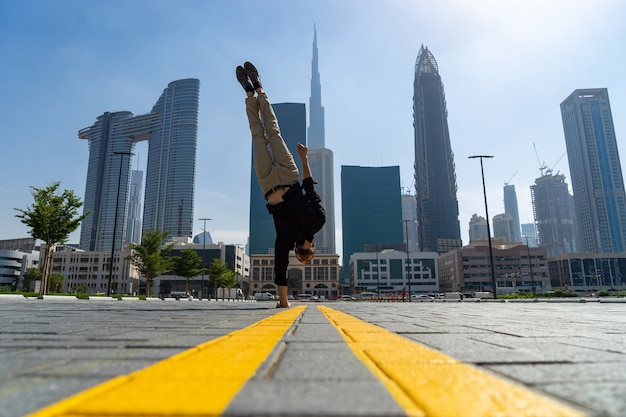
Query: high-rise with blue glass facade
x=371, y=210
x=292, y=121
x=435, y=180
x=595, y=169
x=171, y=131
x=510, y=207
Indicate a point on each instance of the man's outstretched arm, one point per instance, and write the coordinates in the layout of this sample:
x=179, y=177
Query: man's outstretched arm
x=303, y=153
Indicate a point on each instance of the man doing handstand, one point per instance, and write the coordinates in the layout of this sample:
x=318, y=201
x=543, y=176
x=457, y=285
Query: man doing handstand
x=296, y=208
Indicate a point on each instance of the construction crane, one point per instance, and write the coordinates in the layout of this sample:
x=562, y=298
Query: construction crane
x=507, y=182
x=557, y=161
x=542, y=165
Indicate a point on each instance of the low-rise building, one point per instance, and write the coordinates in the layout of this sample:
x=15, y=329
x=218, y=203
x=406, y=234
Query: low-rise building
x=319, y=277
x=517, y=268
x=90, y=271
x=588, y=272
x=392, y=271
x=13, y=265
x=232, y=255
x=16, y=256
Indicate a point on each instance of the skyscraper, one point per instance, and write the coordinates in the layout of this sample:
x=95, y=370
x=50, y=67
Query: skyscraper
x=133, y=228
x=435, y=179
x=321, y=159
x=371, y=210
x=316, y=110
x=554, y=214
x=529, y=234
x=409, y=215
x=322, y=170
x=292, y=120
x=596, y=172
x=171, y=169
x=171, y=131
x=503, y=227
x=477, y=228
x=510, y=207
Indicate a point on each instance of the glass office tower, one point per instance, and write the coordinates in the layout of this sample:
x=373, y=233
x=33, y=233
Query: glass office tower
x=171, y=169
x=171, y=132
x=435, y=180
x=597, y=182
x=371, y=210
x=510, y=207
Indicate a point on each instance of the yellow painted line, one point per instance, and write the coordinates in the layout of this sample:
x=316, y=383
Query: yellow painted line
x=425, y=382
x=200, y=381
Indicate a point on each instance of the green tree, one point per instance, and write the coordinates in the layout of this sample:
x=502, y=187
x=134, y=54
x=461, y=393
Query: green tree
x=31, y=275
x=187, y=265
x=220, y=275
x=230, y=281
x=150, y=256
x=51, y=218
x=56, y=282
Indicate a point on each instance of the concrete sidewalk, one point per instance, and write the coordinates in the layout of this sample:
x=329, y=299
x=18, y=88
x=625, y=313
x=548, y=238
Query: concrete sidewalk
x=54, y=348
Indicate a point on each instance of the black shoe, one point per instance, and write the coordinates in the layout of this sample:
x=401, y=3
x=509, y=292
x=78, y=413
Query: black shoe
x=242, y=77
x=253, y=75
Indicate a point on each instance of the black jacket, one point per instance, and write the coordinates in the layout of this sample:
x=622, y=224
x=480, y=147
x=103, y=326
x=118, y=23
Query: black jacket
x=297, y=218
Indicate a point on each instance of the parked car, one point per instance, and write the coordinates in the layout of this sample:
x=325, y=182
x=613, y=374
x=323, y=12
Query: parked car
x=180, y=294
x=347, y=298
x=263, y=296
x=422, y=297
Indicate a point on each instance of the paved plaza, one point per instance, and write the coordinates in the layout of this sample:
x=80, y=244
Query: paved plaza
x=571, y=352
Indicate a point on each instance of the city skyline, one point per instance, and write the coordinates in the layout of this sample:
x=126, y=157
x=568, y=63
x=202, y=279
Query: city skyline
x=72, y=60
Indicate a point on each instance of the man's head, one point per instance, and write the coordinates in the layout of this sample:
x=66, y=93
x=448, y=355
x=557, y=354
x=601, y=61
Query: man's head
x=305, y=255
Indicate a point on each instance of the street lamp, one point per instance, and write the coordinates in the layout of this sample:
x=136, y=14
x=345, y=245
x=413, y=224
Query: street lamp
x=117, y=204
x=203, y=255
x=494, y=284
x=406, y=267
x=530, y=267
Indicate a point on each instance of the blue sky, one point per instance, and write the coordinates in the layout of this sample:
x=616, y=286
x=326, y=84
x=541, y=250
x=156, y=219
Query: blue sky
x=506, y=67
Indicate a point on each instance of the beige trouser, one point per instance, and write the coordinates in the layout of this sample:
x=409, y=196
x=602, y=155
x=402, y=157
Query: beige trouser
x=273, y=163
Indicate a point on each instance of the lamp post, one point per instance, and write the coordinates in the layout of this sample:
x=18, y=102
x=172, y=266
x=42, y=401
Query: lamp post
x=370, y=270
x=117, y=203
x=406, y=267
x=378, y=249
x=204, y=219
x=530, y=267
x=494, y=284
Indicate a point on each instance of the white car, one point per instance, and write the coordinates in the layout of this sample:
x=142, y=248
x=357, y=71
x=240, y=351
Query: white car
x=263, y=296
x=421, y=297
